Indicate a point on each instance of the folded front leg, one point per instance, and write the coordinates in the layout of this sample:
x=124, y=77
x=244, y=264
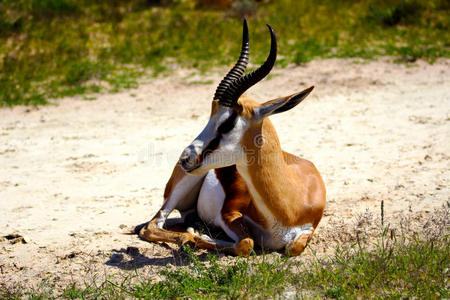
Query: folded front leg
x=180, y=193
x=236, y=227
x=153, y=233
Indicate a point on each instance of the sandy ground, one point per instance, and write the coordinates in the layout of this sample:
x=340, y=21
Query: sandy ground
x=75, y=176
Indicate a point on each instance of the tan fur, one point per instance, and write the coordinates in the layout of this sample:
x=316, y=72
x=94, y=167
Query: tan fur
x=214, y=107
x=294, y=190
x=177, y=175
x=246, y=106
x=291, y=188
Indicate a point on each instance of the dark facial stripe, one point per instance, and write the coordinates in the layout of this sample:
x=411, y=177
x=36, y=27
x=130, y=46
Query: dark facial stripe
x=223, y=128
x=228, y=124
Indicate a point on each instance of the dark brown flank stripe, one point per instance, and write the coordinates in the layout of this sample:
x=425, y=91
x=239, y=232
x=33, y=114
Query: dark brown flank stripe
x=227, y=176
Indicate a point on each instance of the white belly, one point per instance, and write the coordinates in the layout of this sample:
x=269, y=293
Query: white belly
x=210, y=200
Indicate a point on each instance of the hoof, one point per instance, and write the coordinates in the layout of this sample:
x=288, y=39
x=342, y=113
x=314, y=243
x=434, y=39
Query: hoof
x=147, y=235
x=143, y=232
x=187, y=239
x=244, y=247
x=296, y=247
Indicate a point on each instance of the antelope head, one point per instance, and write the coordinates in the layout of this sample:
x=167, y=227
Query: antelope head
x=220, y=144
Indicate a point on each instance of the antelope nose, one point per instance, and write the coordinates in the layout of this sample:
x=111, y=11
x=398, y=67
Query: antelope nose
x=188, y=158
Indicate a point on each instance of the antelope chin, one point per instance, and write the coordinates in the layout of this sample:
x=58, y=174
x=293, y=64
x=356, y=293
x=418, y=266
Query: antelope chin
x=196, y=171
x=193, y=171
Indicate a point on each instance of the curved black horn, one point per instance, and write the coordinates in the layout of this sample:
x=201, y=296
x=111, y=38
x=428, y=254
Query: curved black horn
x=238, y=69
x=238, y=87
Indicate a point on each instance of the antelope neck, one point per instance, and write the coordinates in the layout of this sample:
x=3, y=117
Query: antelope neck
x=267, y=175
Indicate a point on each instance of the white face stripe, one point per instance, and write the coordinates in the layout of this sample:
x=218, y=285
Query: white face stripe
x=228, y=150
x=210, y=130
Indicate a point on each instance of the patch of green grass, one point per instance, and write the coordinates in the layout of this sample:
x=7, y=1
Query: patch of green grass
x=201, y=82
x=402, y=271
x=242, y=278
x=391, y=13
x=308, y=50
x=55, y=48
x=397, y=267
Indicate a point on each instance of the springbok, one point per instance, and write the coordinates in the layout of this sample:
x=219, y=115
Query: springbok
x=238, y=178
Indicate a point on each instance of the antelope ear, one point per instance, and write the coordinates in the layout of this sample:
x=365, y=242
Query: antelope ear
x=281, y=104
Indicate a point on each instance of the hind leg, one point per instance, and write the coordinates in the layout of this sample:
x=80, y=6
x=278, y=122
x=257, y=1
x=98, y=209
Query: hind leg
x=152, y=233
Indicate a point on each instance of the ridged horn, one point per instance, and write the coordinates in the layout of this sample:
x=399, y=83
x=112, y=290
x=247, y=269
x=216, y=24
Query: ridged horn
x=239, y=86
x=238, y=69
